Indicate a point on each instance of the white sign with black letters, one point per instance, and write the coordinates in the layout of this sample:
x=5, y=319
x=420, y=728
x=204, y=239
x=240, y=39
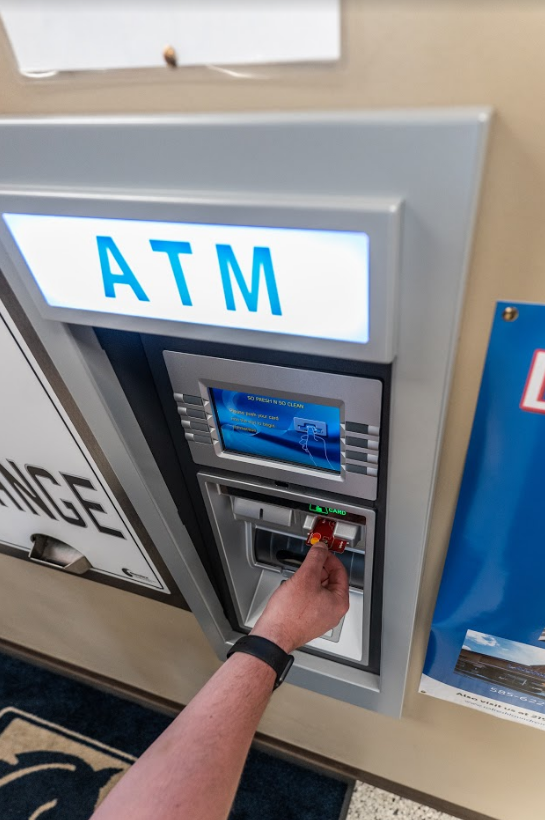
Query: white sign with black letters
x=49, y=483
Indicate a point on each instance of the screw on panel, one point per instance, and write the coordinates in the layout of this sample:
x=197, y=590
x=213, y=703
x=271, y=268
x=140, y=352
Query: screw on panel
x=510, y=314
x=169, y=54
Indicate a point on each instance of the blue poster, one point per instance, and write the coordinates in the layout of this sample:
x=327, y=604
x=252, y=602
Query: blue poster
x=487, y=643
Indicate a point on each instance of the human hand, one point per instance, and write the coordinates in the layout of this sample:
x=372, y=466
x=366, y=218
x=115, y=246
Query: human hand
x=308, y=604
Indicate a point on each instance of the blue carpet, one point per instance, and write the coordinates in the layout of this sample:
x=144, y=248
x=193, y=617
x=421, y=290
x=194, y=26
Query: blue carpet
x=63, y=743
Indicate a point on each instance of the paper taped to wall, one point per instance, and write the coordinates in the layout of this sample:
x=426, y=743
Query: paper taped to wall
x=56, y=36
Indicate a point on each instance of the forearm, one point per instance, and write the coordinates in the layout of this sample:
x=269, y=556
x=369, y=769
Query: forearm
x=192, y=771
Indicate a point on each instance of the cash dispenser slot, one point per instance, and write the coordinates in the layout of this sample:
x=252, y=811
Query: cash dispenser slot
x=283, y=551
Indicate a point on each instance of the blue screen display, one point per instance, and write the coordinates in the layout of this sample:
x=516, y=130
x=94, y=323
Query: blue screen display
x=282, y=429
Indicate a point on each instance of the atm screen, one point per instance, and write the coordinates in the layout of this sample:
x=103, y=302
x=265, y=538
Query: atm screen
x=283, y=429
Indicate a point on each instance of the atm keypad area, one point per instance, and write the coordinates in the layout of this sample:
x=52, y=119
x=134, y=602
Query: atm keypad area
x=256, y=451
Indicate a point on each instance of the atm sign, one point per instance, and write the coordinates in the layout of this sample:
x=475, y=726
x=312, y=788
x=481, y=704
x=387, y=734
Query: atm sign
x=293, y=281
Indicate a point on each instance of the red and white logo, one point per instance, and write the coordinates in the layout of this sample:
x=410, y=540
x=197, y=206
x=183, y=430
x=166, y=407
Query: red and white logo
x=533, y=398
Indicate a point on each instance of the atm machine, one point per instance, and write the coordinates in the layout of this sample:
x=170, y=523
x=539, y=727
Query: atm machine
x=256, y=315
x=271, y=455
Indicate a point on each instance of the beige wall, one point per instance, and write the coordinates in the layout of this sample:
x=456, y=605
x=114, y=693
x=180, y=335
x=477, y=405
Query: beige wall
x=404, y=53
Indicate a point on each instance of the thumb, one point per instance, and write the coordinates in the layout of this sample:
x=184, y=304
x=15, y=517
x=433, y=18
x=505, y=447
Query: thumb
x=315, y=559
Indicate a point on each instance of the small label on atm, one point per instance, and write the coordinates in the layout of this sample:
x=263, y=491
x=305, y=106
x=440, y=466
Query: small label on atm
x=316, y=508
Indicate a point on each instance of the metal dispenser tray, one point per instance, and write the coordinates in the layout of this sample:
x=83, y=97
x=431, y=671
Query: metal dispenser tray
x=261, y=532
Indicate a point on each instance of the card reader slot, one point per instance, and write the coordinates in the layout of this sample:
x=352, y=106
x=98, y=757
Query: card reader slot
x=288, y=552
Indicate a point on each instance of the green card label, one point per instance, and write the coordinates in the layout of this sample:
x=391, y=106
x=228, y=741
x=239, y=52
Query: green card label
x=316, y=508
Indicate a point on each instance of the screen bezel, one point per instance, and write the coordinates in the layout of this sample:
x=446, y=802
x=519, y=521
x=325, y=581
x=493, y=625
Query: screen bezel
x=261, y=464
x=259, y=456
x=192, y=374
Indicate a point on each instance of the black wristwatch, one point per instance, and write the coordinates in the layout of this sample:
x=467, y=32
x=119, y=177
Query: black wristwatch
x=266, y=651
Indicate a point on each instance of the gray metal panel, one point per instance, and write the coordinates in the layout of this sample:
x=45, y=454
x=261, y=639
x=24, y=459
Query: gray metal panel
x=358, y=399
x=432, y=159
x=234, y=521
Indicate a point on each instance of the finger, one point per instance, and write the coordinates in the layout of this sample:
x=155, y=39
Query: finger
x=315, y=559
x=338, y=576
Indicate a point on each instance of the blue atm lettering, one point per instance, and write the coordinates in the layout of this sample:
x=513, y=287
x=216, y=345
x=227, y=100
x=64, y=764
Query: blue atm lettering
x=107, y=246
x=173, y=251
x=261, y=262
x=230, y=273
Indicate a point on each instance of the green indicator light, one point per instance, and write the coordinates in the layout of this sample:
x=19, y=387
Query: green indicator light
x=326, y=510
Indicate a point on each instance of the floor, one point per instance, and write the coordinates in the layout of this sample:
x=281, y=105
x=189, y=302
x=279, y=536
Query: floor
x=369, y=803
x=88, y=726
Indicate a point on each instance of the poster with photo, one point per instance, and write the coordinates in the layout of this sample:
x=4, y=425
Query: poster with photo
x=487, y=643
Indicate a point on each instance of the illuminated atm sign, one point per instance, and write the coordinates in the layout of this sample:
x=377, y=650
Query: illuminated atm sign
x=281, y=280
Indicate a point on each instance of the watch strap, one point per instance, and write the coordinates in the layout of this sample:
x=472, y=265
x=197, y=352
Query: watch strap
x=266, y=651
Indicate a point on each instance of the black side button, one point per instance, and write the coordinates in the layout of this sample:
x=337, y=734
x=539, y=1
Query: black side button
x=354, y=427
